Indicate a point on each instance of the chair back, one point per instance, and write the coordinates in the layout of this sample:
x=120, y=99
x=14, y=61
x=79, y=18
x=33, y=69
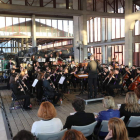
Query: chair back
x=134, y=121
x=86, y=130
x=104, y=126
x=51, y=136
x=122, y=118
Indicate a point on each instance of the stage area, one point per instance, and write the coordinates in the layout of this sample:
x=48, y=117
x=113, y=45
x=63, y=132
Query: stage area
x=19, y=119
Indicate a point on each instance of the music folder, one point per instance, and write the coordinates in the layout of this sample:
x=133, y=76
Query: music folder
x=35, y=82
x=61, y=81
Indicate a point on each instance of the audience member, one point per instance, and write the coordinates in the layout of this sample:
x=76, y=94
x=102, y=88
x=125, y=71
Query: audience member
x=137, y=138
x=117, y=130
x=73, y=135
x=80, y=118
x=109, y=112
x=24, y=135
x=131, y=106
x=48, y=124
x=137, y=91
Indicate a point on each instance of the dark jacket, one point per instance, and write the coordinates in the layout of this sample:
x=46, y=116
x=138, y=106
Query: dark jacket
x=79, y=119
x=133, y=132
x=48, y=89
x=118, y=79
x=133, y=73
x=127, y=114
x=92, y=69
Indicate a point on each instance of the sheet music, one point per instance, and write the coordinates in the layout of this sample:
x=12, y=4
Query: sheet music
x=82, y=75
x=35, y=82
x=61, y=81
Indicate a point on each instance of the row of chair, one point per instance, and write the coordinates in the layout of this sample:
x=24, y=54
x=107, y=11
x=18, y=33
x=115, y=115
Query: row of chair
x=86, y=130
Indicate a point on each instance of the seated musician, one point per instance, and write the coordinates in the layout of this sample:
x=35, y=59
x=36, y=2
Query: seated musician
x=133, y=72
x=19, y=91
x=66, y=81
x=73, y=78
x=117, y=78
x=114, y=62
x=50, y=89
x=108, y=80
x=127, y=72
x=122, y=69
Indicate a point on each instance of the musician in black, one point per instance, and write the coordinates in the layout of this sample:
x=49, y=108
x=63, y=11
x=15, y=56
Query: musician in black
x=133, y=72
x=117, y=78
x=19, y=91
x=92, y=76
x=49, y=89
x=129, y=80
x=122, y=69
x=47, y=58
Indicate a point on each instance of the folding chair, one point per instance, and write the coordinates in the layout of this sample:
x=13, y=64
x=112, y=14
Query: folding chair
x=51, y=136
x=13, y=102
x=87, y=130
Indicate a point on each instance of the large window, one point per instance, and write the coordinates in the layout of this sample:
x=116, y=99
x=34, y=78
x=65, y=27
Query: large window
x=137, y=27
x=118, y=28
x=15, y=26
x=117, y=52
x=54, y=28
x=136, y=55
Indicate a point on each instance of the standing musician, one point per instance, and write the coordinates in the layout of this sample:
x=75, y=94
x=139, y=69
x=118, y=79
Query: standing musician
x=117, y=82
x=92, y=76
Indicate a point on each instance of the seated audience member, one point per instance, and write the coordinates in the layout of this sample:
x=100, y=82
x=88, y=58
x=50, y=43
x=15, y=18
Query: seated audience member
x=137, y=91
x=109, y=112
x=117, y=130
x=24, y=135
x=80, y=118
x=130, y=108
x=73, y=135
x=48, y=124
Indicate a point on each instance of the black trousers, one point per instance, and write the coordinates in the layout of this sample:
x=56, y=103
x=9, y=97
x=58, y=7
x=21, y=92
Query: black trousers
x=26, y=99
x=56, y=97
x=92, y=82
x=110, y=88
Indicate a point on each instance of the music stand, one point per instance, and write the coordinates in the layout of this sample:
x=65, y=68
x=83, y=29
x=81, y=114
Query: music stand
x=61, y=81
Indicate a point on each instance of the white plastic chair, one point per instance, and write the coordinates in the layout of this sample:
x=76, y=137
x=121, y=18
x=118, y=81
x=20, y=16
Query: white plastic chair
x=51, y=136
x=86, y=130
x=134, y=121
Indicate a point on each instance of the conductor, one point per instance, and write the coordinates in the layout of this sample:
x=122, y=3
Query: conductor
x=92, y=76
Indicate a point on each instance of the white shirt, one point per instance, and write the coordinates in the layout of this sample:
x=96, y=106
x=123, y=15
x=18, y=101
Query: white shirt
x=49, y=126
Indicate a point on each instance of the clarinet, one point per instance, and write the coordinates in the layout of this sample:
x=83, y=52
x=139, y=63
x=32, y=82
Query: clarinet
x=21, y=86
x=110, y=79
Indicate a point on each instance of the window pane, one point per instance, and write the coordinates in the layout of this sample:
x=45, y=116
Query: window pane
x=122, y=27
x=136, y=47
x=2, y=25
x=95, y=29
x=88, y=31
x=49, y=28
x=70, y=28
x=8, y=25
x=54, y=25
x=137, y=28
x=65, y=28
x=118, y=28
x=113, y=28
x=60, y=28
x=91, y=30
x=99, y=26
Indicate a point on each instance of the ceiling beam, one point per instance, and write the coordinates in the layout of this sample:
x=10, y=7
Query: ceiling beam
x=54, y=11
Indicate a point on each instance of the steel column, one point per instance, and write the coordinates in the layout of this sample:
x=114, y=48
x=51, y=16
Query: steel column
x=41, y=3
x=54, y=3
x=67, y=4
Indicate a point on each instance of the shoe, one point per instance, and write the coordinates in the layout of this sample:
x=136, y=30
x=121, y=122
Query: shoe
x=27, y=108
